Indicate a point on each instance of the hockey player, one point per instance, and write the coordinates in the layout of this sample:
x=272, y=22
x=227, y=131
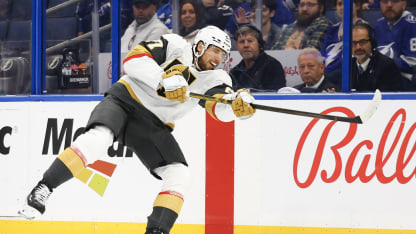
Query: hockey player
x=396, y=36
x=140, y=112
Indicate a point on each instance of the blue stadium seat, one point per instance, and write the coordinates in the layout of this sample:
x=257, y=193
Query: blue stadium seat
x=19, y=35
x=54, y=32
x=372, y=15
x=21, y=10
x=332, y=16
x=3, y=29
x=68, y=11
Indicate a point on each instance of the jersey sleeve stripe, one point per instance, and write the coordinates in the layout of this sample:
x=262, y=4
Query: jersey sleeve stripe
x=136, y=56
x=210, y=106
x=137, y=52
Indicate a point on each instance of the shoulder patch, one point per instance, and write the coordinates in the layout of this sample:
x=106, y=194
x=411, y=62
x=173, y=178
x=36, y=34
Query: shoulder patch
x=411, y=19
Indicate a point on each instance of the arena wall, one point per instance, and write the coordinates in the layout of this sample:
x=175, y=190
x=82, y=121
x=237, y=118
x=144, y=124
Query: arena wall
x=272, y=173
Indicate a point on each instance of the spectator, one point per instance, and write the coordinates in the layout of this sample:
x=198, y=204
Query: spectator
x=216, y=13
x=281, y=18
x=311, y=68
x=257, y=70
x=332, y=47
x=191, y=19
x=309, y=28
x=396, y=34
x=371, y=70
x=270, y=31
x=146, y=26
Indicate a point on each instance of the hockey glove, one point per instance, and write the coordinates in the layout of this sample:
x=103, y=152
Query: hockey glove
x=174, y=82
x=241, y=104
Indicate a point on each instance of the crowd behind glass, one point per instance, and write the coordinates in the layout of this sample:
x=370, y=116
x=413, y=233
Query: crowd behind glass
x=390, y=38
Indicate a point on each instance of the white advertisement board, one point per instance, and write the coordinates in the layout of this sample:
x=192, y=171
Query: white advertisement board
x=288, y=170
x=33, y=133
x=295, y=171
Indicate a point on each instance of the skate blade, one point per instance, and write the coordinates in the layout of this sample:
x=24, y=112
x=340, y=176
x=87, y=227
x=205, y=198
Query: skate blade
x=29, y=212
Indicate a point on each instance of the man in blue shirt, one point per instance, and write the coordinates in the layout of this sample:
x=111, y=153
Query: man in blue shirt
x=396, y=35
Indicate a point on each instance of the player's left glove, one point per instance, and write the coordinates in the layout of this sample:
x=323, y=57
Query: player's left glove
x=241, y=104
x=174, y=82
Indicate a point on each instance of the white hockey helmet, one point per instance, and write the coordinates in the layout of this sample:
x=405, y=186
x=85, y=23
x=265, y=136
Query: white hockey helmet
x=212, y=35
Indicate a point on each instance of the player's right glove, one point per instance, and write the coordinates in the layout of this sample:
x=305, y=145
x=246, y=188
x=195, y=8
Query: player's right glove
x=241, y=104
x=174, y=82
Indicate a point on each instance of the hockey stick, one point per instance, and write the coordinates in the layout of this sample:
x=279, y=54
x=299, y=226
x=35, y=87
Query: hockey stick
x=359, y=119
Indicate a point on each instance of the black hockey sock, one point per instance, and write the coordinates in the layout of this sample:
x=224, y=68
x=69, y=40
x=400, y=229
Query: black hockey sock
x=68, y=164
x=56, y=174
x=161, y=219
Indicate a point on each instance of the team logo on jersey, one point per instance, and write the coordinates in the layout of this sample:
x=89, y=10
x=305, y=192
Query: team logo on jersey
x=333, y=51
x=411, y=19
x=387, y=50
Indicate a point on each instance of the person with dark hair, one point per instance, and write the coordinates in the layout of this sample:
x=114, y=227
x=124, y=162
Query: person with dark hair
x=257, y=70
x=396, y=35
x=311, y=69
x=332, y=47
x=191, y=19
x=270, y=31
x=308, y=30
x=371, y=70
x=244, y=14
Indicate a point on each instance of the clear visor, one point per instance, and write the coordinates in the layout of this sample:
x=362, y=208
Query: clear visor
x=217, y=52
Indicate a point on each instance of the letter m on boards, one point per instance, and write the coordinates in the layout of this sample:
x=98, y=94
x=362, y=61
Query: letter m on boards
x=56, y=136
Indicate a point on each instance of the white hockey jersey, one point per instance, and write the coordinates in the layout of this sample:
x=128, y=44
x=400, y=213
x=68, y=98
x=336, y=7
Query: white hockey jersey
x=145, y=65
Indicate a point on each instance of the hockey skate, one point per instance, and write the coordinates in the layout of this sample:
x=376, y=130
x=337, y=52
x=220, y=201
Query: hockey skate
x=35, y=202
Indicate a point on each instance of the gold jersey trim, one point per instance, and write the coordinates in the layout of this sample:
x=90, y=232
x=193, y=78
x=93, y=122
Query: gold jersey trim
x=133, y=95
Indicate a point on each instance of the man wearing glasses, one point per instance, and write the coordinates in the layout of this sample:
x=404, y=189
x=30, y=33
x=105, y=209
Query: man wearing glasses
x=396, y=34
x=308, y=30
x=371, y=70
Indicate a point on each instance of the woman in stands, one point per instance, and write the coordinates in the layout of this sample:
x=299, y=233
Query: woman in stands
x=191, y=19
